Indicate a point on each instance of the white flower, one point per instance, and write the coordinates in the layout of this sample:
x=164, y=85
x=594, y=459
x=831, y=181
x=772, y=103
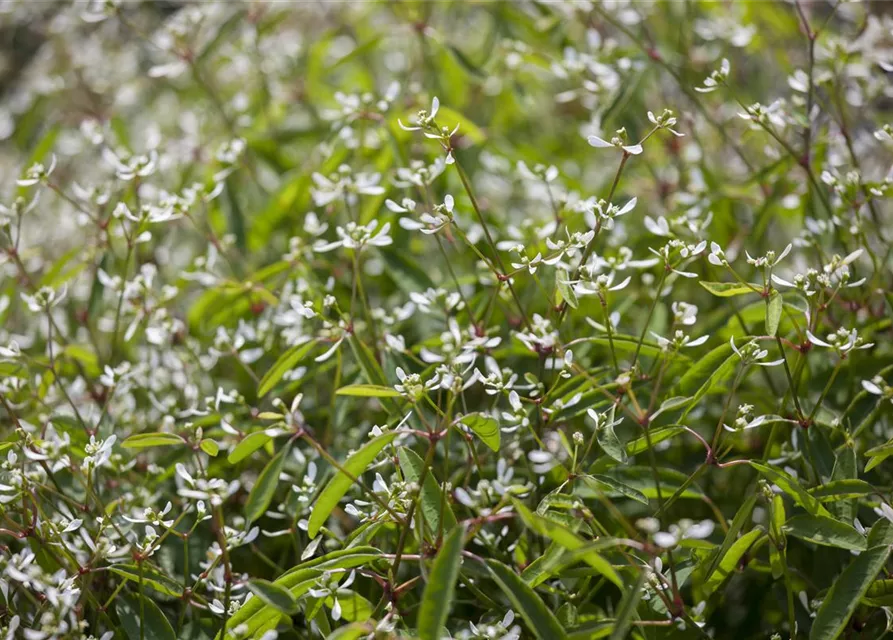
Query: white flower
x=37, y=172
x=617, y=142
x=751, y=353
x=357, y=237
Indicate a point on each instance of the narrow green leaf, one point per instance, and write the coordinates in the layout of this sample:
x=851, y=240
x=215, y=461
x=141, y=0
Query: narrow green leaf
x=486, y=428
x=791, y=487
x=352, y=631
x=543, y=567
x=773, y=313
x=718, y=376
x=562, y=282
x=825, y=531
x=612, y=487
x=541, y=621
x=262, y=492
x=135, y=612
x=277, y=597
x=283, y=365
x=156, y=439
x=355, y=465
x=742, y=516
x=567, y=539
x=729, y=289
x=640, y=444
x=151, y=578
x=368, y=391
x=438, y=597
x=728, y=563
x=844, y=595
x=249, y=444
x=696, y=375
x=431, y=496
x=354, y=607
x=627, y=610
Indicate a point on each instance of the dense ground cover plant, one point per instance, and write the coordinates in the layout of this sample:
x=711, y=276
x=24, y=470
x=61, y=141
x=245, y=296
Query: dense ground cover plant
x=471, y=320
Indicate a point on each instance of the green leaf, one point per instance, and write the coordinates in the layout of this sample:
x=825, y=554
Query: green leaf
x=277, y=597
x=135, y=612
x=696, y=375
x=841, y=490
x=541, y=621
x=210, y=447
x=627, y=610
x=543, y=567
x=352, y=631
x=825, y=531
x=151, y=578
x=878, y=454
x=335, y=489
x=566, y=291
x=283, y=365
x=155, y=439
x=608, y=440
x=486, y=428
x=567, y=539
x=599, y=484
x=718, y=375
x=729, y=561
x=641, y=478
x=791, y=487
x=262, y=492
x=843, y=597
x=368, y=391
x=249, y=444
x=640, y=444
x=729, y=289
x=742, y=516
x=431, y=496
x=354, y=607
x=437, y=599
x=773, y=313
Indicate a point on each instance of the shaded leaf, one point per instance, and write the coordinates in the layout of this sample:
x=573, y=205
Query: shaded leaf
x=540, y=620
x=843, y=597
x=277, y=597
x=262, y=492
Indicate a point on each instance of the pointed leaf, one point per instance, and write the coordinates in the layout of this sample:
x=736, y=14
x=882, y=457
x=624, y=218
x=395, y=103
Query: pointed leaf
x=627, y=610
x=567, y=539
x=486, y=428
x=431, y=496
x=438, y=597
x=540, y=620
x=599, y=483
x=825, y=531
x=156, y=439
x=368, y=391
x=355, y=465
x=773, y=313
x=262, y=492
x=843, y=597
x=791, y=487
x=729, y=289
x=142, y=619
x=249, y=444
x=274, y=595
x=283, y=365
